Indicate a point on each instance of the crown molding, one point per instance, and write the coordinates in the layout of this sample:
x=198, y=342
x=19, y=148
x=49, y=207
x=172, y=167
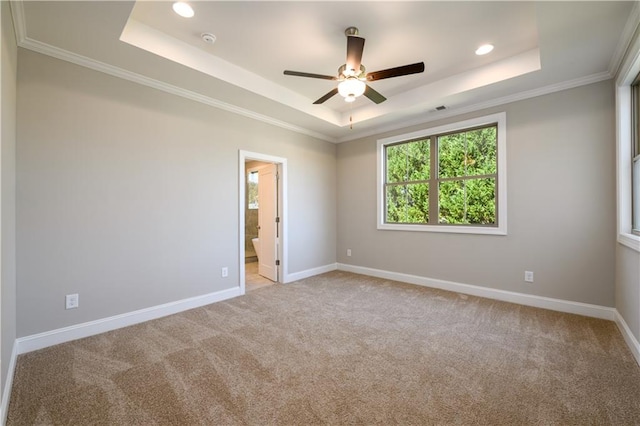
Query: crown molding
x=19, y=20
x=438, y=115
x=95, y=65
x=65, y=55
x=626, y=38
x=18, y=15
x=17, y=12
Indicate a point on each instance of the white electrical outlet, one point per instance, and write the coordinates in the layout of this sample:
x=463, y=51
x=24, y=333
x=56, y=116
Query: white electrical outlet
x=528, y=276
x=72, y=301
x=348, y=252
x=225, y=272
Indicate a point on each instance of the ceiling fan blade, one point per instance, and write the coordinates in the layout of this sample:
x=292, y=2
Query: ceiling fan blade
x=396, y=72
x=355, y=47
x=373, y=95
x=326, y=97
x=310, y=75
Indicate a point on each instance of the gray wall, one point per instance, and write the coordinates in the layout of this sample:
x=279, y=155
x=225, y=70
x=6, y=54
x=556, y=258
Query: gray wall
x=561, y=206
x=628, y=287
x=8, y=202
x=129, y=196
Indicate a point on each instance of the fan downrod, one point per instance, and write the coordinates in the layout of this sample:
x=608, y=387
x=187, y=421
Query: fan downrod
x=351, y=31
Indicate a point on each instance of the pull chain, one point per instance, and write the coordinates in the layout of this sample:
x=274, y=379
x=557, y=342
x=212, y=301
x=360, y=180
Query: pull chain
x=351, y=116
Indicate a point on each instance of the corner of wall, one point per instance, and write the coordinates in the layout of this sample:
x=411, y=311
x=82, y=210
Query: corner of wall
x=8, y=384
x=628, y=336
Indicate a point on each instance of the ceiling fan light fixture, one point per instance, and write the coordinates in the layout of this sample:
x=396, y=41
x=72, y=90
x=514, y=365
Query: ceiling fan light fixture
x=351, y=88
x=352, y=75
x=183, y=9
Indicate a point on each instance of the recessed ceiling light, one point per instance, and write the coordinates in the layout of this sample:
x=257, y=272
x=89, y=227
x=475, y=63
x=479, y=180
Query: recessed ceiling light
x=484, y=49
x=183, y=9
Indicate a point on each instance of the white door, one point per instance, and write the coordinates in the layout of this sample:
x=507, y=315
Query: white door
x=267, y=226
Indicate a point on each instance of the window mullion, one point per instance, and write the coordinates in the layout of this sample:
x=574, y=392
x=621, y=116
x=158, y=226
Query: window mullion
x=470, y=177
x=433, y=181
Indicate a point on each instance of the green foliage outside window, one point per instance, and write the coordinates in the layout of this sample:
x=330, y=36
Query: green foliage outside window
x=408, y=167
x=464, y=184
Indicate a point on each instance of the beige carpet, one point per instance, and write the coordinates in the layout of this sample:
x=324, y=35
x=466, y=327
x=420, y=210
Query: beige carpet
x=338, y=348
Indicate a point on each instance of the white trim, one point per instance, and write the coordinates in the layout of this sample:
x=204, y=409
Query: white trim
x=91, y=328
x=628, y=336
x=560, y=305
x=625, y=39
x=295, y=276
x=166, y=46
x=17, y=10
x=501, y=229
x=462, y=229
x=19, y=20
x=8, y=385
x=103, y=67
x=627, y=73
x=283, y=247
x=629, y=240
x=457, y=111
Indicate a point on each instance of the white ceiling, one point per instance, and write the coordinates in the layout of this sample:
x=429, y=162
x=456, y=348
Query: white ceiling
x=539, y=47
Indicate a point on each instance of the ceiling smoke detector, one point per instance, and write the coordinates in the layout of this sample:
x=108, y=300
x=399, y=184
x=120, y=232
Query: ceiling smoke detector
x=208, y=38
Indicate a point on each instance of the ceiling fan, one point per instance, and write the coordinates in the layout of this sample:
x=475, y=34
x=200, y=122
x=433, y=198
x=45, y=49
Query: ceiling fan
x=352, y=75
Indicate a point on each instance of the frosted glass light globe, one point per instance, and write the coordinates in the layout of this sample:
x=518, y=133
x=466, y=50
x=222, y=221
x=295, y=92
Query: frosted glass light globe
x=351, y=87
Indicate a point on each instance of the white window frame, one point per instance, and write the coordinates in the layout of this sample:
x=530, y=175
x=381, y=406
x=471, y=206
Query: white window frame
x=501, y=229
x=626, y=76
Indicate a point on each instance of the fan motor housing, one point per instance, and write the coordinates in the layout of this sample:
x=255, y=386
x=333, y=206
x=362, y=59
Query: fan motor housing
x=342, y=74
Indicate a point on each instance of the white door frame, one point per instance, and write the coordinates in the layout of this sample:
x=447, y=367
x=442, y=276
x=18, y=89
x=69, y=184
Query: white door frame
x=282, y=254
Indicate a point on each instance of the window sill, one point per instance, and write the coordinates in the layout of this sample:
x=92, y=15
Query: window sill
x=630, y=240
x=479, y=230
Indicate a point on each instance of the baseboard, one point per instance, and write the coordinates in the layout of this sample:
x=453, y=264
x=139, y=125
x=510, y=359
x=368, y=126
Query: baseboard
x=631, y=340
x=8, y=385
x=91, y=328
x=309, y=273
x=560, y=305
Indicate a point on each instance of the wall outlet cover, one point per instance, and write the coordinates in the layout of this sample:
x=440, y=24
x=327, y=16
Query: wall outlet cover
x=72, y=301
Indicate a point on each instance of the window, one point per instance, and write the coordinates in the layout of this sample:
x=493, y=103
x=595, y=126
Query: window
x=627, y=140
x=635, y=155
x=446, y=179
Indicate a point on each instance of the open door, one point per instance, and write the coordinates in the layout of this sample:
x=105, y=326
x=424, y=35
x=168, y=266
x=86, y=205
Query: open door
x=268, y=221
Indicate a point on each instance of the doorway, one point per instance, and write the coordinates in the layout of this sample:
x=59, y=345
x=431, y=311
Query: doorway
x=262, y=254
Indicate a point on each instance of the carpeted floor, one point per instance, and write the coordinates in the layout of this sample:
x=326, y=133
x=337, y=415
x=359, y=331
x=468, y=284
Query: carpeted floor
x=338, y=348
